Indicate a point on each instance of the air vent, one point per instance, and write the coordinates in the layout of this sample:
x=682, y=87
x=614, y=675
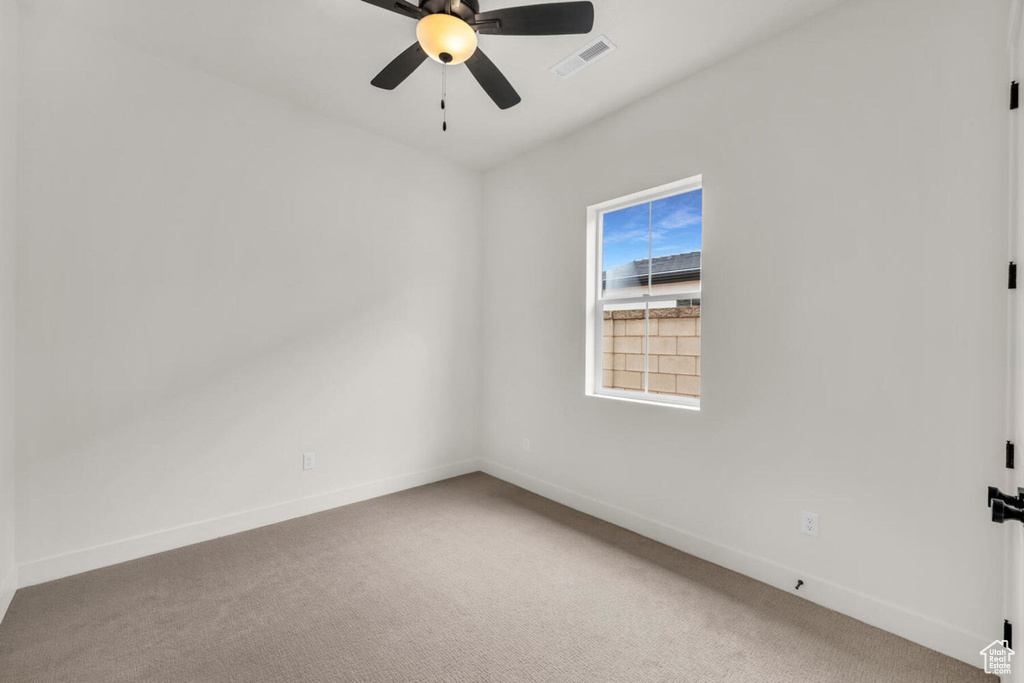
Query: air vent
x=584, y=57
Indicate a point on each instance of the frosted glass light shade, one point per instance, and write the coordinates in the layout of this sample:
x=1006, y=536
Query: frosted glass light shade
x=446, y=39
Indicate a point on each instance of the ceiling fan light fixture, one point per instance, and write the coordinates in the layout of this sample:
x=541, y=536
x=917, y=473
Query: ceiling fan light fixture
x=446, y=39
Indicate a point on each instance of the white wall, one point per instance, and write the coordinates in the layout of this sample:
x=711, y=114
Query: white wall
x=211, y=284
x=853, y=323
x=8, y=197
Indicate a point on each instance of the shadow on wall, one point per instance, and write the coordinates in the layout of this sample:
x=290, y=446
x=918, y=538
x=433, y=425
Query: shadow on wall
x=224, y=284
x=234, y=441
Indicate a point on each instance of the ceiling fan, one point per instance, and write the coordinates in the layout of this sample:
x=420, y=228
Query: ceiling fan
x=447, y=33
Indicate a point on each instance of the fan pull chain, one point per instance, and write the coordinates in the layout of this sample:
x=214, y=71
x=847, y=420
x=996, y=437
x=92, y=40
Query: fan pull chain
x=444, y=96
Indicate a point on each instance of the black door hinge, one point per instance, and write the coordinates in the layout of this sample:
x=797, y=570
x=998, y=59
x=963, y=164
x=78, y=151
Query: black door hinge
x=1009, y=455
x=1012, y=278
x=1008, y=633
x=1014, y=95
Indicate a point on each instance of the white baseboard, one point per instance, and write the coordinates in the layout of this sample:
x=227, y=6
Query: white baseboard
x=7, y=588
x=931, y=633
x=87, y=559
x=926, y=631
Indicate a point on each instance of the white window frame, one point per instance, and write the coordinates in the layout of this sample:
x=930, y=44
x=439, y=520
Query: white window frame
x=596, y=304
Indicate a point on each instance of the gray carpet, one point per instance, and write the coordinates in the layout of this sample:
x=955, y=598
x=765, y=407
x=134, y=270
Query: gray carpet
x=469, y=579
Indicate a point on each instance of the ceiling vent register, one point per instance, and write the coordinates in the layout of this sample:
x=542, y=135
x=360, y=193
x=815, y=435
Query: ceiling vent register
x=584, y=57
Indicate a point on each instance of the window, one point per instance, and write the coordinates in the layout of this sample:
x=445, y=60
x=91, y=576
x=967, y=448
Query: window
x=644, y=294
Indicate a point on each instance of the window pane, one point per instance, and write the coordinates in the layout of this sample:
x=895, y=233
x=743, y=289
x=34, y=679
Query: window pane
x=625, y=250
x=624, y=340
x=650, y=253
x=674, y=345
x=676, y=231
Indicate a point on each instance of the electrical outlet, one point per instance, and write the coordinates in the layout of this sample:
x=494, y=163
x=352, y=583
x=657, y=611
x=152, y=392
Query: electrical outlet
x=526, y=445
x=308, y=461
x=809, y=523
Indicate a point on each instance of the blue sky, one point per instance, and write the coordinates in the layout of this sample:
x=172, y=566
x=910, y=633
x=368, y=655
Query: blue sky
x=673, y=225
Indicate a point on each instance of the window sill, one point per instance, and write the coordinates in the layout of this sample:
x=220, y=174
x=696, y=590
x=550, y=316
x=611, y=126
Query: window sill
x=682, y=402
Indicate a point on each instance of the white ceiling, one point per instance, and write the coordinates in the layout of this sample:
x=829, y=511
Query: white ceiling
x=321, y=54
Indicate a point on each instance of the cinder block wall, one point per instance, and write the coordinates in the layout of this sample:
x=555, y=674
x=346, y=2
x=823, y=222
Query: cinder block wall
x=674, y=338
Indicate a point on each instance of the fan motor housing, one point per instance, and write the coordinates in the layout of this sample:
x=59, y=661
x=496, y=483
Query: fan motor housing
x=463, y=9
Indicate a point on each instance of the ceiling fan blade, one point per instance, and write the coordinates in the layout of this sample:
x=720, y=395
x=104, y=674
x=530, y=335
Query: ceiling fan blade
x=398, y=6
x=493, y=81
x=555, y=19
x=400, y=68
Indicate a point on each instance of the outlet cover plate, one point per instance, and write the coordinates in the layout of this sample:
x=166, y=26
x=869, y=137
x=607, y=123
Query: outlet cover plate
x=809, y=523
